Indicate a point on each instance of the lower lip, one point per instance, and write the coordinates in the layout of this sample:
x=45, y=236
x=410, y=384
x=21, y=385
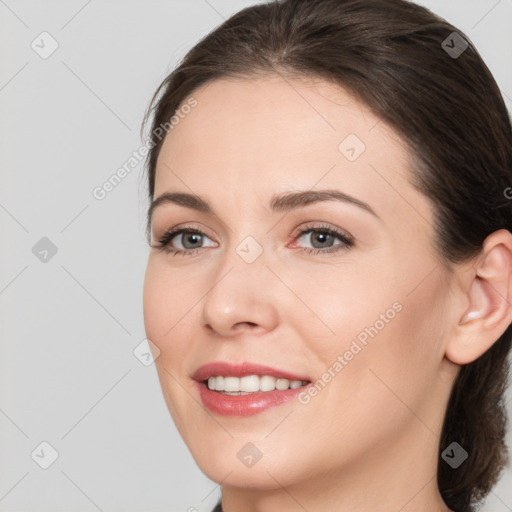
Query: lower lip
x=245, y=405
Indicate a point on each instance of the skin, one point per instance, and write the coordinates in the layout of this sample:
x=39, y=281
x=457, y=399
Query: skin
x=369, y=439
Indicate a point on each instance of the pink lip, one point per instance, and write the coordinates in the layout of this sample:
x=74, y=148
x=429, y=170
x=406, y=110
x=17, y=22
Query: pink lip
x=243, y=405
x=241, y=370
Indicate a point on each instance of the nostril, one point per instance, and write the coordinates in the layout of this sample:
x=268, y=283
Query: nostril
x=251, y=324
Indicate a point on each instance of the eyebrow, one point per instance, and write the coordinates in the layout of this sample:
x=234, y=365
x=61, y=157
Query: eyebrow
x=279, y=203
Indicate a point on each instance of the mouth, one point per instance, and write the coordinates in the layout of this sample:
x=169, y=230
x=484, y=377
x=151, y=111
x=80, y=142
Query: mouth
x=247, y=388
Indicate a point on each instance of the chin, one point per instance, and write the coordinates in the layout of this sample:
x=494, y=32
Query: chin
x=257, y=477
x=229, y=463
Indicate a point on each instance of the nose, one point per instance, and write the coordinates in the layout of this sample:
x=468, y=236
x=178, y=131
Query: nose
x=241, y=298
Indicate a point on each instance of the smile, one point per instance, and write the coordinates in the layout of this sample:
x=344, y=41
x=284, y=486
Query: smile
x=247, y=388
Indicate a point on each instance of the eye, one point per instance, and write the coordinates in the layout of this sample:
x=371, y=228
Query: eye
x=189, y=241
x=322, y=238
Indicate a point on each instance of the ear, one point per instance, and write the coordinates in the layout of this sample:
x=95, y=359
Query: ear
x=487, y=286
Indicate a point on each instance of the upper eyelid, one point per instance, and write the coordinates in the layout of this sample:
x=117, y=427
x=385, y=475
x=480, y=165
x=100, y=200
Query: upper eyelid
x=178, y=229
x=310, y=226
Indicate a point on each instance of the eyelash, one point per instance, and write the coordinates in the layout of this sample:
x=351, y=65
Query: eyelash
x=347, y=240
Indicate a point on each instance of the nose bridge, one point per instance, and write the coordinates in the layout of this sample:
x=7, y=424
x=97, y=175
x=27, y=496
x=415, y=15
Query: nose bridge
x=241, y=292
x=247, y=253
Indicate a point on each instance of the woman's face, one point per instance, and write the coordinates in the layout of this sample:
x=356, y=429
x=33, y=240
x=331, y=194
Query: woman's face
x=349, y=298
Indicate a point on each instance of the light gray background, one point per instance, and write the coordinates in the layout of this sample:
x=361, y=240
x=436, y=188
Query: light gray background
x=69, y=326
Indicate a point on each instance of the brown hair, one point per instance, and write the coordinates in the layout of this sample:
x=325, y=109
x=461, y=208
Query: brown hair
x=448, y=108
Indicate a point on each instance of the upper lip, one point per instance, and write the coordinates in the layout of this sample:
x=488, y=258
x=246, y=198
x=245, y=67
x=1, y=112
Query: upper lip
x=225, y=369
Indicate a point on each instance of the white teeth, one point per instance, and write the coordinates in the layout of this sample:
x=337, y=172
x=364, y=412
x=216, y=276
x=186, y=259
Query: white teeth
x=219, y=383
x=282, y=384
x=267, y=383
x=231, y=384
x=251, y=384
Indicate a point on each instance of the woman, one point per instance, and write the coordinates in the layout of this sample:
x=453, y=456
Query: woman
x=329, y=282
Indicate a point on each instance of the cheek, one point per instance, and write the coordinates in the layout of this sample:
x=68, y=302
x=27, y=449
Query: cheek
x=340, y=303
x=373, y=339
x=154, y=299
x=166, y=303
x=168, y=312
x=167, y=319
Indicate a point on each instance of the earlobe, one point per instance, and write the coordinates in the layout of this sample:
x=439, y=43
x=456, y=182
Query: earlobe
x=489, y=294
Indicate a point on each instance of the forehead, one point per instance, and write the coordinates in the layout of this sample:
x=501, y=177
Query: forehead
x=271, y=134
x=251, y=111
